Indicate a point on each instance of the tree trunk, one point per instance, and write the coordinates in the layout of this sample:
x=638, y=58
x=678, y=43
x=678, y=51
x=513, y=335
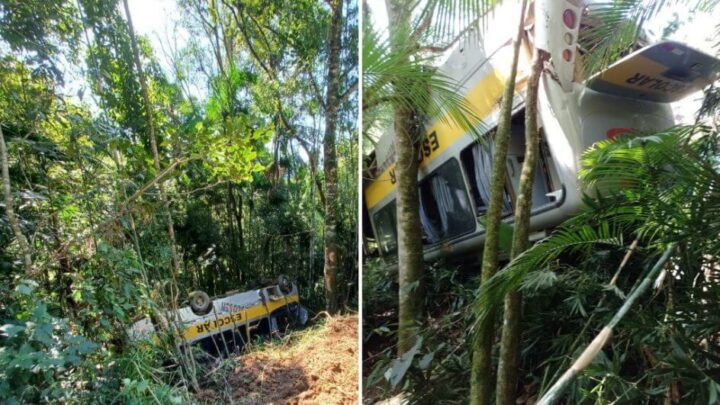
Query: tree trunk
x=10, y=211
x=153, y=142
x=481, y=373
x=238, y=204
x=230, y=207
x=510, y=342
x=410, y=253
x=330, y=158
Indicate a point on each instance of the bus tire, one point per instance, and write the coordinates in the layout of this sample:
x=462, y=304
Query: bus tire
x=200, y=302
x=284, y=284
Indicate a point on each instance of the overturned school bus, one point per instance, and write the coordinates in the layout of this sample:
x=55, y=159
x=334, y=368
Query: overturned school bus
x=574, y=112
x=225, y=324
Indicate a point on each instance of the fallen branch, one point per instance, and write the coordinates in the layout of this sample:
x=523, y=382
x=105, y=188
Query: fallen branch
x=592, y=350
x=326, y=313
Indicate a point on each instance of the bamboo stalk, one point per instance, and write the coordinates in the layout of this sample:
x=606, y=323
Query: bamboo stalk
x=600, y=304
x=605, y=334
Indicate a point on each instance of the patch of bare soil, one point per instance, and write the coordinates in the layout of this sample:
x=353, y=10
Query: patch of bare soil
x=314, y=366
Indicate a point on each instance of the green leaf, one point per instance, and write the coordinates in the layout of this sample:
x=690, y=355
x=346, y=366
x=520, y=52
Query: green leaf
x=426, y=360
x=400, y=366
x=26, y=287
x=86, y=347
x=43, y=334
x=11, y=330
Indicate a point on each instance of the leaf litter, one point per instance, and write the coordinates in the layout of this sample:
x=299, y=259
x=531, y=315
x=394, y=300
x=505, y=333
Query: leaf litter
x=315, y=366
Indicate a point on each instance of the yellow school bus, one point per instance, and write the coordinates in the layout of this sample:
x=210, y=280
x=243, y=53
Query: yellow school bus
x=573, y=113
x=224, y=324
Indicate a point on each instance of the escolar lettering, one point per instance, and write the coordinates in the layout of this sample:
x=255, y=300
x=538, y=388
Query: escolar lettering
x=665, y=86
x=430, y=144
x=219, y=323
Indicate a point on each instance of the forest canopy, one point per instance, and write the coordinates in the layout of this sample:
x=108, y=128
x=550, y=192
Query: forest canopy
x=138, y=169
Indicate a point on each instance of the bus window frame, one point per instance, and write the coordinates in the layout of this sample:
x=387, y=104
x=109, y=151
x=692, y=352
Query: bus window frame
x=376, y=226
x=462, y=176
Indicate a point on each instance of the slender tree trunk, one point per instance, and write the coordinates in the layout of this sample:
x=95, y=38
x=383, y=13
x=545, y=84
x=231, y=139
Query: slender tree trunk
x=238, y=215
x=481, y=372
x=153, y=142
x=237, y=212
x=410, y=253
x=330, y=158
x=510, y=342
x=10, y=210
x=230, y=207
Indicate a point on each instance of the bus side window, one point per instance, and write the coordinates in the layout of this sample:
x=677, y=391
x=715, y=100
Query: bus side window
x=429, y=215
x=444, y=206
x=477, y=161
x=386, y=227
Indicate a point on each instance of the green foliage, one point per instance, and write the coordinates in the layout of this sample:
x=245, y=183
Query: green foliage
x=105, y=305
x=438, y=366
x=402, y=77
x=40, y=354
x=40, y=28
x=659, y=188
x=614, y=27
x=243, y=202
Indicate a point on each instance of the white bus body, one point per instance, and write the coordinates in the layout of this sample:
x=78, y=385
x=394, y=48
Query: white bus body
x=633, y=93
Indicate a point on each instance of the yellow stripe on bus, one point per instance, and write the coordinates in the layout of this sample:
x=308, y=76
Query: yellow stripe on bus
x=483, y=97
x=234, y=319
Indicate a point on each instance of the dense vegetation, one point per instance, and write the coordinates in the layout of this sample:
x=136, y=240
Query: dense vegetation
x=574, y=282
x=134, y=175
x=616, y=301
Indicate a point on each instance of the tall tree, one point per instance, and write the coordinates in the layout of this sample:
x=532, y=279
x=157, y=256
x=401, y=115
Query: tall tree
x=406, y=141
x=153, y=141
x=400, y=80
x=330, y=156
x=22, y=241
x=481, y=376
x=509, y=363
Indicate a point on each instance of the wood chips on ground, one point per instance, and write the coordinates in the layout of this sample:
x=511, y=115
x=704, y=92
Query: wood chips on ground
x=318, y=366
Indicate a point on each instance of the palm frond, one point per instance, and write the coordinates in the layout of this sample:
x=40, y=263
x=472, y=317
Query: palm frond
x=612, y=27
x=569, y=239
x=400, y=77
x=655, y=186
x=450, y=18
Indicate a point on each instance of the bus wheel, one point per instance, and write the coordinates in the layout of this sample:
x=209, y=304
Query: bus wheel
x=284, y=284
x=200, y=302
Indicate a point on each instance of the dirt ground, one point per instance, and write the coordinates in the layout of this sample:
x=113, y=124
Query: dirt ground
x=314, y=366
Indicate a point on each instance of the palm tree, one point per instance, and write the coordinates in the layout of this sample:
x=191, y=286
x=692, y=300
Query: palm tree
x=332, y=99
x=398, y=75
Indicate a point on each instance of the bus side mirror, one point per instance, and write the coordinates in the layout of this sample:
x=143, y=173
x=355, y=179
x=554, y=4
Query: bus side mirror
x=557, y=24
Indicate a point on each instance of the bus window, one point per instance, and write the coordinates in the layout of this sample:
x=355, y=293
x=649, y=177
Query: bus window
x=429, y=215
x=385, y=225
x=444, y=206
x=477, y=160
x=516, y=157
